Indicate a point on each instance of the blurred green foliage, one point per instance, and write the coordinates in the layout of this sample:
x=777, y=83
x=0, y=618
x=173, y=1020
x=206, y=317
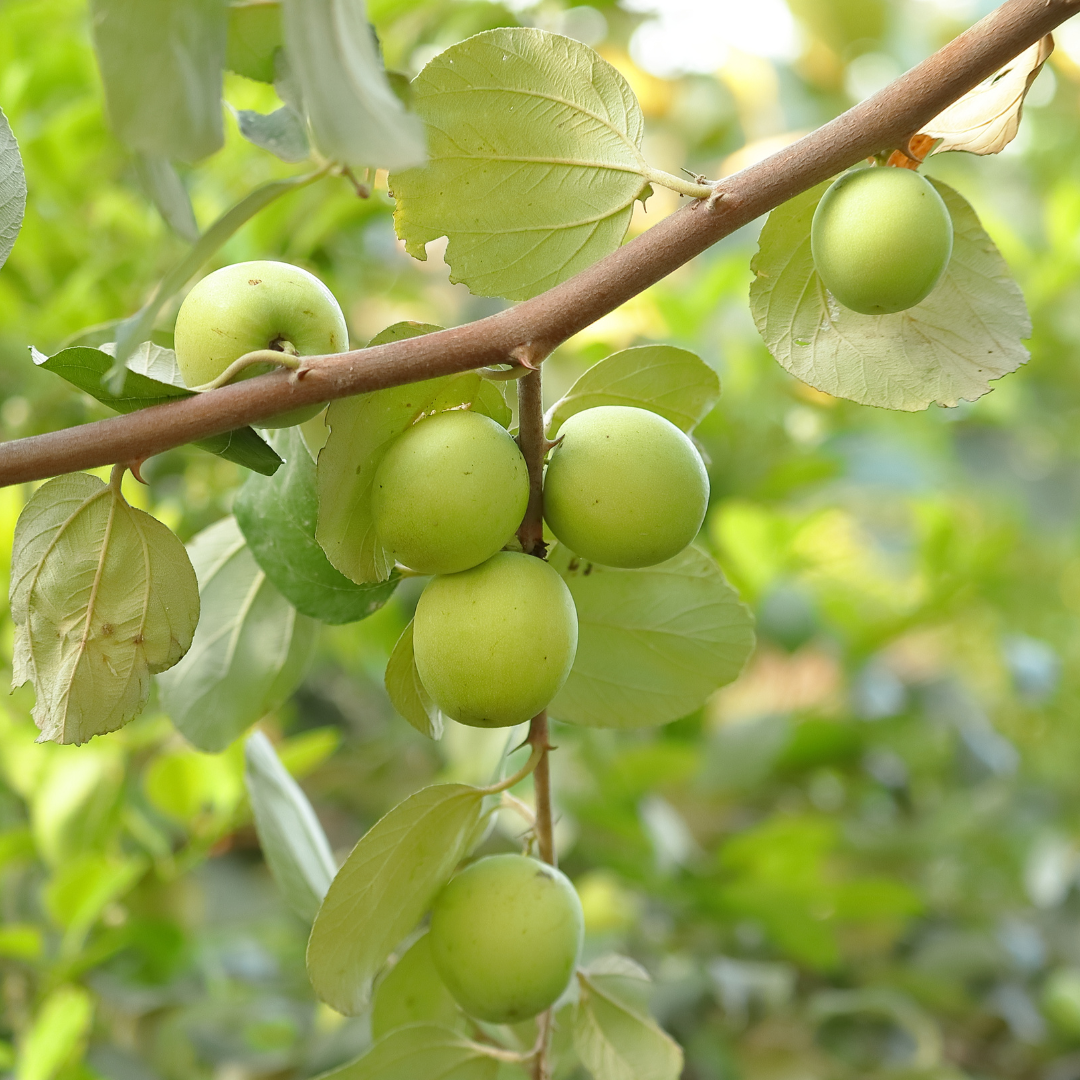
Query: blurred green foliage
x=859, y=860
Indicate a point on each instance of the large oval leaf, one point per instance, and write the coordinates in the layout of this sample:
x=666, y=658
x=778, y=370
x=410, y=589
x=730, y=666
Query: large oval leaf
x=278, y=516
x=534, y=166
x=102, y=596
x=385, y=886
x=673, y=382
x=966, y=333
x=250, y=652
x=421, y=1052
x=12, y=189
x=653, y=644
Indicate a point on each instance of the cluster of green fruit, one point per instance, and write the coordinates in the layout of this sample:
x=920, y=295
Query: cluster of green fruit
x=881, y=239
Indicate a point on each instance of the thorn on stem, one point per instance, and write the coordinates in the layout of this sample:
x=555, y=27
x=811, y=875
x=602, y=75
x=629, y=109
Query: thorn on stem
x=134, y=468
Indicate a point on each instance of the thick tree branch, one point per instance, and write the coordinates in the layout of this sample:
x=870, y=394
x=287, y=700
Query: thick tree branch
x=884, y=122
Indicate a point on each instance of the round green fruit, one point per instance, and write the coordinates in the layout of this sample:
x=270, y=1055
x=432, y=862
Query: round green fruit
x=625, y=487
x=449, y=493
x=256, y=305
x=494, y=644
x=881, y=239
x=506, y=936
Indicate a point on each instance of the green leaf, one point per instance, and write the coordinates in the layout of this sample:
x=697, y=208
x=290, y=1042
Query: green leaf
x=421, y=1052
x=281, y=132
x=151, y=377
x=162, y=183
x=355, y=117
x=57, y=1035
x=653, y=644
x=387, y=883
x=966, y=333
x=12, y=189
x=251, y=650
x=407, y=693
x=361, y=430
x=292, y=840
x=82, y=888
x=161, y=64
x=277, y=516
x=535, y=161
x=102, y=596
x=413, y=993
x=675, y=383
x=613, y=1035
x=254, y=36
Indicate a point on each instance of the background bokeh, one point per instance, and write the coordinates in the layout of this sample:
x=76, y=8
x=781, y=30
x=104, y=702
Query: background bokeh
x=861, y=859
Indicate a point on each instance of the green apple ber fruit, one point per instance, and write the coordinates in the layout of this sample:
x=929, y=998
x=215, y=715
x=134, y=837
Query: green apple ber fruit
x=624, y=487
x=494, y=644
x=881, y=239
x=256, y=305
x=449, y=492
x=506, y=936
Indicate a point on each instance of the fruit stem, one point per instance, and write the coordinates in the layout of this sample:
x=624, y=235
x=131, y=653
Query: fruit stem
x=259, y=356
x=533, y=448
x=538, y=739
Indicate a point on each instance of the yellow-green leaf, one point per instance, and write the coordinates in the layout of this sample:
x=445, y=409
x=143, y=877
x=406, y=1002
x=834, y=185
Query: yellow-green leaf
x=407, y=693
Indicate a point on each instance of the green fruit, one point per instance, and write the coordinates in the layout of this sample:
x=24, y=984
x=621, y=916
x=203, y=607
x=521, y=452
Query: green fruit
x=506, y=936
x=256, y=305
x=450, y=492
x=625, y=487
x=494, y=644
x=881, y=239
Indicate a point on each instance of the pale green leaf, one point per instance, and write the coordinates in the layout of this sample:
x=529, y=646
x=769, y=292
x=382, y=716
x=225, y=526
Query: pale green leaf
x=387, y=883
x=673, y=382
x=12, y=189
x=162, y=183
x=82, y=888
x=281, y=132
x=413, y=993
x=355, y=117
x=255, y=36
x=949, y=348
x=102, y=596
x=57, y=1035
x=361, y=431
x=292, y=840
x=421, y=1052
x=615, y=1039
x=277, y=516
x=161, y=63
x=653, y=644
x=407, y=693
x=251, y=650
x=535, y=161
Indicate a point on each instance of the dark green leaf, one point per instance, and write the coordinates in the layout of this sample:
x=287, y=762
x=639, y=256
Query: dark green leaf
x=278, y=516
x=12, y=189
x=161, y=63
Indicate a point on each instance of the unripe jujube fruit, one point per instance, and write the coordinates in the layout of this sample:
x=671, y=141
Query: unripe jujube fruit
x=494, y=644
x=881, y=239
x=450, y=492
x=256, y=305
x=506, y=936
x=625, y=487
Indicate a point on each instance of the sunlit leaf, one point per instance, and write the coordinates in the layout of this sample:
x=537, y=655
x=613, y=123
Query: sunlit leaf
x=355, y=117
x=966, y=333
x=151, y=378
x=161, y=63
x=673, y=382
x=255, y=34
x=58, y=1033
x=281, y=132
x=12, y=189
x=653, y=644
x=407, y=693
x=421, y=1052
x=535, y=161
x=277, y=516
x=251, y=650
x=985, y=120
x=413, y=993
x=615, y=1038
x=385, y=886
x=292, y=840
x=102, y=596
x=361, y=430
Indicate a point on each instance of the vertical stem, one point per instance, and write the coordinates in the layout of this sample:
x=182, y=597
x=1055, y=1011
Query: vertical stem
x=534, y=447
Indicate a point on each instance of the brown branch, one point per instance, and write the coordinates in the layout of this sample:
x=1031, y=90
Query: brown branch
x=884, y=122
x=534, y=449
